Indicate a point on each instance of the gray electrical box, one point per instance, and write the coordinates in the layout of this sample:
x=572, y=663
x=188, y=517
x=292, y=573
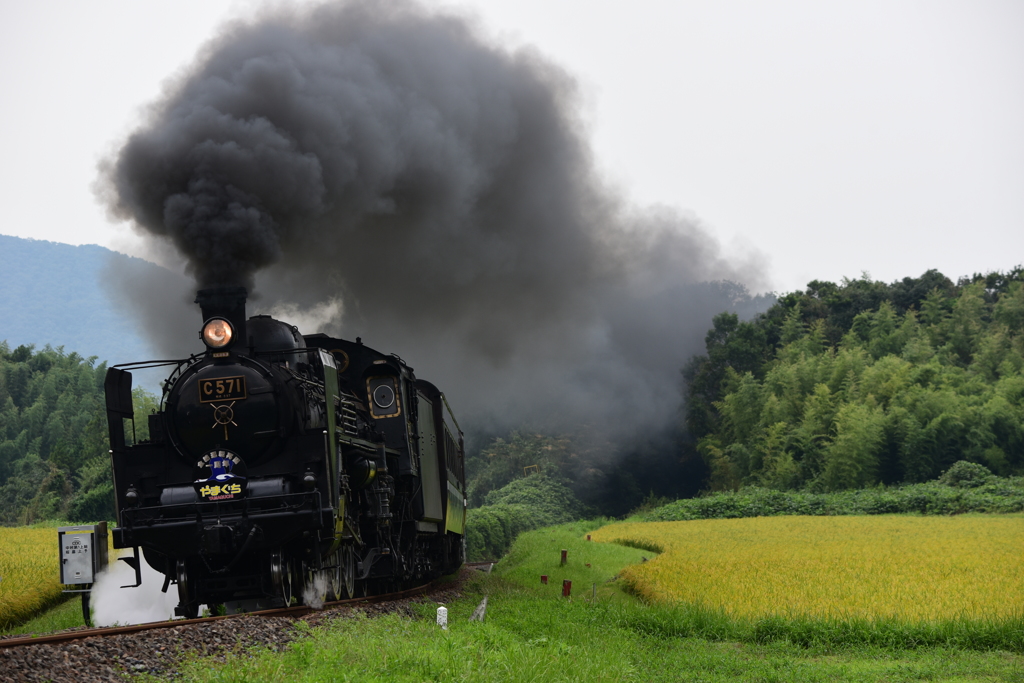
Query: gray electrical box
x=83, y=553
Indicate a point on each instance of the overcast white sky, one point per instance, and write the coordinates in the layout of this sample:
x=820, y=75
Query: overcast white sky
x=831, y=138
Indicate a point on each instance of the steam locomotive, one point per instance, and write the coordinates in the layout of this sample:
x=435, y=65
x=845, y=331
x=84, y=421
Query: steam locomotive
x=283, y=468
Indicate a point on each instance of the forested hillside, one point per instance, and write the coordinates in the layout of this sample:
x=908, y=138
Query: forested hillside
x=53, y=433
x=849, y=385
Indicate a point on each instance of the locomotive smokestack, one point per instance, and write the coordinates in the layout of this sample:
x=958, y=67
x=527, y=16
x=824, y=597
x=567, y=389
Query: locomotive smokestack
x=226, y=302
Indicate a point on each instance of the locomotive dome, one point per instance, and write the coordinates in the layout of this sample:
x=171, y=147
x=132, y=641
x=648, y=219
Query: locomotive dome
x=273, y=336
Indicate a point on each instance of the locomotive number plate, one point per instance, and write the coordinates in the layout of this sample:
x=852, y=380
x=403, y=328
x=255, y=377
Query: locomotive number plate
x=222, y=389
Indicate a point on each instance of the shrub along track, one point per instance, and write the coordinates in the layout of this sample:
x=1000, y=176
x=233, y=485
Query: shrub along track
x=107, y=654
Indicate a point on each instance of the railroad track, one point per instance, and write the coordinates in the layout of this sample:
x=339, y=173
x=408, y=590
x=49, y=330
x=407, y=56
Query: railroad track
x=481, y=566
x=292, y=612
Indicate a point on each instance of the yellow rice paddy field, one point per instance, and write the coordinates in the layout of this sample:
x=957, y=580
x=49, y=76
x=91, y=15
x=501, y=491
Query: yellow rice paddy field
x=902, y=567
x=31, y=575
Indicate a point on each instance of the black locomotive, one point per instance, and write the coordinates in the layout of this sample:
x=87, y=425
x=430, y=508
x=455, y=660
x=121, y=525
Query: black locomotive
x=283, y=467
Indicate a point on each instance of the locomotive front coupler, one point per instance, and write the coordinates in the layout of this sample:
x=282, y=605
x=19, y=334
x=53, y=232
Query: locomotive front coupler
x=219, y=538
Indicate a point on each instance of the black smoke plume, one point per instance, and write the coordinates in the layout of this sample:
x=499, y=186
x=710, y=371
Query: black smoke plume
x=433, y=192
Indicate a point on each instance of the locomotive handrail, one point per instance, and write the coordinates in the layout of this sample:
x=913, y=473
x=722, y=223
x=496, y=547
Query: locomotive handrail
x=281, y=352
x=450, y=413
x=368, y=446
x=143, y=364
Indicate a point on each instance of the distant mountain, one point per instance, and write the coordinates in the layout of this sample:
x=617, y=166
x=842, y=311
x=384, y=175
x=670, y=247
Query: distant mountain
x=52, y=293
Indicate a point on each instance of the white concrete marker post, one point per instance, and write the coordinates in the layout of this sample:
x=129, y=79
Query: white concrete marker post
x=442, y=617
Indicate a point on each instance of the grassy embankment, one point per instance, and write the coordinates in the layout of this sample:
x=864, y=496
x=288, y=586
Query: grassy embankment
x=532, y=634
x=65, y=615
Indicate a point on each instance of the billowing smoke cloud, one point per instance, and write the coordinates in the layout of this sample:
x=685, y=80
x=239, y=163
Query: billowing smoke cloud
x=433, y=193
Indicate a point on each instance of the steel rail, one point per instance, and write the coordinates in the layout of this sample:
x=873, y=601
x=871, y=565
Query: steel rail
x=295, y=612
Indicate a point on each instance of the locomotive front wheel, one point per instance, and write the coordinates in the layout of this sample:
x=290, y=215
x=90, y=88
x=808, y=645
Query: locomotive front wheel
x=187, y=602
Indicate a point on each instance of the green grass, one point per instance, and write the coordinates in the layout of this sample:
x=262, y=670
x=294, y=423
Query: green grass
x=67, y=614
x=531, y=634
x=570, y=644
x=539, y=553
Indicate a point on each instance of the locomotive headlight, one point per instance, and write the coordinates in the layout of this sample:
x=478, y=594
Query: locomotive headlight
x=217, y=333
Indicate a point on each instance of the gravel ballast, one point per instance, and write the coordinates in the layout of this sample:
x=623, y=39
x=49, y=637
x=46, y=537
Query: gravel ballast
x=159, y=652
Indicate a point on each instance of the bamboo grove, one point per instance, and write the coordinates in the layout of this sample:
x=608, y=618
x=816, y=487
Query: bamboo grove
x=851, y=385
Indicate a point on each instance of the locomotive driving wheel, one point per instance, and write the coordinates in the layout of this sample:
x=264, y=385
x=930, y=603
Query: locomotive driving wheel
x=348, y=570
x=335, y=584
x=342, y=575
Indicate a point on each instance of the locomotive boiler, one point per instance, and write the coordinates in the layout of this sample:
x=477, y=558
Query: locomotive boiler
x=284, y=468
